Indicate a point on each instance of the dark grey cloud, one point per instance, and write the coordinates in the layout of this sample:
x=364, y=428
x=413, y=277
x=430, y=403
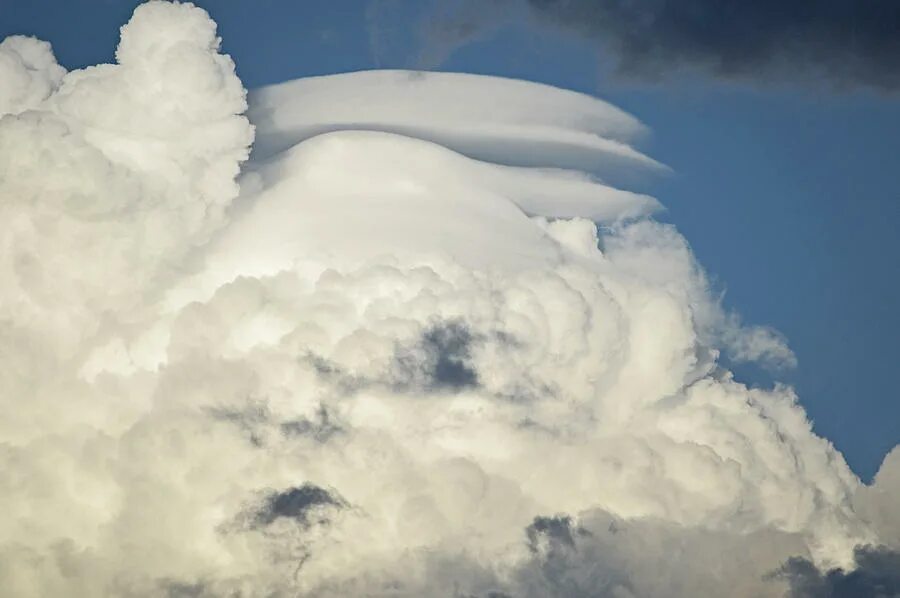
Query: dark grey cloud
x=322, y=427
x=440, y=360
x=256, y=421
x=848, y=43
x=877, y=575
x=297, y=503
x=449, y=347
x=557, y=530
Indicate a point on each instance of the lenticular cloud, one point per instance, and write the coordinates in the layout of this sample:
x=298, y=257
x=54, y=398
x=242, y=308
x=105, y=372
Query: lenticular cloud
x=407, y=347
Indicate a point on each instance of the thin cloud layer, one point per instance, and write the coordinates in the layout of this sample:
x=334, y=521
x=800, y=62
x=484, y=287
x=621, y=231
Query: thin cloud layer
x=375, y=359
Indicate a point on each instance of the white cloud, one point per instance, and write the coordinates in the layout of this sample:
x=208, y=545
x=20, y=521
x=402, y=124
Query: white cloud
x=379, y=362
x=877, y=504
x=490, y=118
x=29, y=72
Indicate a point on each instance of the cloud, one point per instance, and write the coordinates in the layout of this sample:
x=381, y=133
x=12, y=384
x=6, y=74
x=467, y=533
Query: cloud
x=584, y=133
x=28, y=67
x=602, y=555
x=294, y=503
x=876, y=503
x=442, y=358
x=845, y=43
x=414, y=344
x=876, y=573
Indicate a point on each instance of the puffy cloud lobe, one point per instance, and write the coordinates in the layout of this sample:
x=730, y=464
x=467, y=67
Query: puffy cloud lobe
x=119, y=172
x=877, y=503
x=29, y=73
x=392, y=366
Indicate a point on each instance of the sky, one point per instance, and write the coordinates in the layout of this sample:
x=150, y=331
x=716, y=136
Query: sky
x=789, y=193
x=520, y=324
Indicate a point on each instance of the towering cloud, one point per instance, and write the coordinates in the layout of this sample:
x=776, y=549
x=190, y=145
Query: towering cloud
x=408, y=348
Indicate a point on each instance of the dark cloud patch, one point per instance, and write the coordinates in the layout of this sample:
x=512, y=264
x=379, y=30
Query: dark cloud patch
x=331, y=372
x=322, y=427
x=291, y=519
x=450, y=350
x=256, y=422
x=877, y=575
x=557, y=530
x=557, y=569
x=303, y=504
x=440, y=360
x=252, y=419
x=849, y=43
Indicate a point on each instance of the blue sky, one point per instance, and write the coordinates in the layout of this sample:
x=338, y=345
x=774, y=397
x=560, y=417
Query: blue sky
x=790, y=195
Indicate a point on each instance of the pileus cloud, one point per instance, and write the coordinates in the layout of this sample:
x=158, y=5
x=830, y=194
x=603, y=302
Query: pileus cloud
x=408, y=348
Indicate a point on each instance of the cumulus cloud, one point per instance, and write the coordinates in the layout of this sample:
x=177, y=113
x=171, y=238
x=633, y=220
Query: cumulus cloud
x=414, y=346
x=876, y=503
x=29, y=72
x=845, y=43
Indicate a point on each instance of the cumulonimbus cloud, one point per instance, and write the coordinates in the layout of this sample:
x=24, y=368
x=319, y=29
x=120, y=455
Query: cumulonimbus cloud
x=412, y=352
